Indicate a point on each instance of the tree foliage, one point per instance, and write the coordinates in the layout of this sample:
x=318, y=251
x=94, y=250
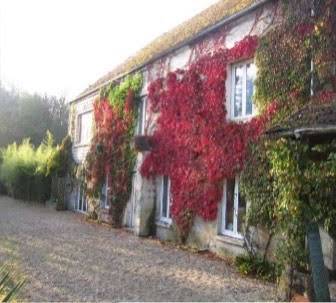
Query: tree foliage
x=26, y=171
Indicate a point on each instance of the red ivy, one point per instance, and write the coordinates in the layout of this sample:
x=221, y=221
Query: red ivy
x=325, y=96
x=195, y=144
x=110, y=152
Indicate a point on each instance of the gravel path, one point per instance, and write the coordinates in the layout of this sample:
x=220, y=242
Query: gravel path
x=67, y=259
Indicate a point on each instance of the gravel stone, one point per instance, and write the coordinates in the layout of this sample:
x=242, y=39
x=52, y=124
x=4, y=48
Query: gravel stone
x=65, y=258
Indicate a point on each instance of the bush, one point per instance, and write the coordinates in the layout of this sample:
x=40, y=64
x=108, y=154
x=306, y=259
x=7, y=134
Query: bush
x=256, y=266
x=25, y=170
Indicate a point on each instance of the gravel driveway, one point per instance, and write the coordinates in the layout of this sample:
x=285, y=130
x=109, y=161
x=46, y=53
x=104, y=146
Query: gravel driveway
x=67, y=259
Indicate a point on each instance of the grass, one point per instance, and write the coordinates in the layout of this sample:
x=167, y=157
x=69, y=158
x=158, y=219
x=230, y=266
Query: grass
x=9, y=285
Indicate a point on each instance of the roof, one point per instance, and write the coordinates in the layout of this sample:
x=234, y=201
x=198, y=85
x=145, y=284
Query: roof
x=220, y=11
x=312, y=119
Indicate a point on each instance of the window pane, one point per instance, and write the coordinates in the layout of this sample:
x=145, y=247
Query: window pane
x=103, y=196
x=164, y=206
x=77, y=198
x=238, y=91
x=241, y=212
x=80, y=201
x=79, y=131
x=250, y=77
x=86, y=127
x=140, y=116
x=230, y=186
x=84, y=203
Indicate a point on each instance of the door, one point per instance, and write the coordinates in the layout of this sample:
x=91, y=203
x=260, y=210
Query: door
x=81, y=201
x=132, y=203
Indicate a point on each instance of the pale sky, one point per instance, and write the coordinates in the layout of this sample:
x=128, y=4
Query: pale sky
x=59, y=47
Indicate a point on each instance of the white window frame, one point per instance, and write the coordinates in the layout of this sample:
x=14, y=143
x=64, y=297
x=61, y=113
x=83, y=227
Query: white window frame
x=80, y=140
x=232, y=97
x=78, y=129
x=166, y=219
x=142, y=110
x=223, y=230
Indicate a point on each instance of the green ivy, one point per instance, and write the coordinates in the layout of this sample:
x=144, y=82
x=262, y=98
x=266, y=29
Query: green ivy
x=111, y=150
x=288, y=182
x=117, y=93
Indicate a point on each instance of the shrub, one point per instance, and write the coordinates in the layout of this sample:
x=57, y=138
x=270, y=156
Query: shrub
x=256, y=266
x=59, y=165
x=25, y=170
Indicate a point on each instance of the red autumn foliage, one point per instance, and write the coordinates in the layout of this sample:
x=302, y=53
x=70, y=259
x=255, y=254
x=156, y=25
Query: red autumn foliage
x=304, y=29
x=325, y=97
x=110, y=153
x=195, y=144
x=129, y=102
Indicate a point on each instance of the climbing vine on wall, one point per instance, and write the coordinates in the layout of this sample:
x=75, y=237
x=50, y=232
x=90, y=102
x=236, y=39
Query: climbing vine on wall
x=111, y=154
x=195, y=144
x=285, y=54
x=72, y=121
x=285, y=186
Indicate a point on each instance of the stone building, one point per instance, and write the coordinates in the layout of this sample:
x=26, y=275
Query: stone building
x=221, y=25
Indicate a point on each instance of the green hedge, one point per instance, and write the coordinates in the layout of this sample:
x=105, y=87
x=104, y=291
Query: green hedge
x=25, y=171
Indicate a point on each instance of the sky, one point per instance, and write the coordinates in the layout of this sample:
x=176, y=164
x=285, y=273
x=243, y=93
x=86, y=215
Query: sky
x=59, y=47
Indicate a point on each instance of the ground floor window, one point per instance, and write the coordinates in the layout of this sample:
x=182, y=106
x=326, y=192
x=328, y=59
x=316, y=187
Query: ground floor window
x=81, y=201
x=233, y=209
x=104, y=201
x=165, y=200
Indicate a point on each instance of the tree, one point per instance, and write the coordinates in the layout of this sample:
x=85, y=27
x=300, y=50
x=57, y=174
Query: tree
x=25, y=115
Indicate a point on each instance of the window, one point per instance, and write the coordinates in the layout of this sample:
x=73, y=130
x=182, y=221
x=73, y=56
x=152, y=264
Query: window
x=165, y=200
x=81, y=202
x=141, y=116
x=104, y=202
x=243, y=77
x=84, y=128
x=233, y=209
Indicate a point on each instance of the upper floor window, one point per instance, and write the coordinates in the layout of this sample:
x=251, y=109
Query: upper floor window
x=141, y=116
x=165, y=200
x=243, y=77
x=233, y=209
x=84, y=128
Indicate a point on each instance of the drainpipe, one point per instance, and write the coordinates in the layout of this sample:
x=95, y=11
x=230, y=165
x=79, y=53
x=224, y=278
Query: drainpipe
x=312, y=14
x=318, y=269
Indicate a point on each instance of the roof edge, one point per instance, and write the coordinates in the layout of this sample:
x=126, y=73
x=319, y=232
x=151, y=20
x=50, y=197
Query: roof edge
x=198, y=36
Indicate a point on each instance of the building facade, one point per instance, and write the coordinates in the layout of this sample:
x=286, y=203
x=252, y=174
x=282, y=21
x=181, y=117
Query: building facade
x=221, y=26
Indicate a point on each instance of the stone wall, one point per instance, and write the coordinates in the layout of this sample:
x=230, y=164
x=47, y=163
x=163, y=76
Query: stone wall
x=139, y=210
x=329, y=250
